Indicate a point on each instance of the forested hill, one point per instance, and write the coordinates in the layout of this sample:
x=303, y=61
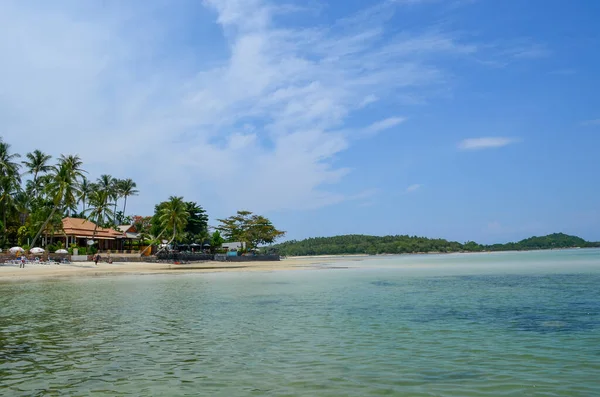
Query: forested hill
x=372, y=245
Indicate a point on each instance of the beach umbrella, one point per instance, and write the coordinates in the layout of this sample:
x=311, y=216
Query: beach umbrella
x=62, y=251
x=37, y=251
x=14, y=250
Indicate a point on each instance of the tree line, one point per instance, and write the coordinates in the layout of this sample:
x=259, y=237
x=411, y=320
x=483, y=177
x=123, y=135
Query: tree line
x=404, y=244
x=36, y=193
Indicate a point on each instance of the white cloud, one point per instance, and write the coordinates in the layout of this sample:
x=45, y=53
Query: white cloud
x=485, y=143
x=413, y=188
x=588, y=123
x=254, y=118
x=384, y=124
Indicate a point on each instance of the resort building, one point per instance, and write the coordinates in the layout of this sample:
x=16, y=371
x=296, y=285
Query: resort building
x=79, y=231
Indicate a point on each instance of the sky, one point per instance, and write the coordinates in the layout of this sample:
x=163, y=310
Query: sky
x=460, y=119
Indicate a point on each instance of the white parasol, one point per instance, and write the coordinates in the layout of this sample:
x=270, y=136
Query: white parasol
x=37, y=251
x=62, y=251
x=14, y=250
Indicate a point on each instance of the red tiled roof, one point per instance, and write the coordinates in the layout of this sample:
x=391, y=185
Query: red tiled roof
x=84, y=228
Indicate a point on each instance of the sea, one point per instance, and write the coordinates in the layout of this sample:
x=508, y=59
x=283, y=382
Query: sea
x=500, y=324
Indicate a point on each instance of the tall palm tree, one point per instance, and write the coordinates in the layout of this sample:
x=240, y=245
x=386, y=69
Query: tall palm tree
x=63, y=187
x=108, y=184
x=85, y=190
x=37, y=163
x=10, y=182
x=100, y=207
x=173, y=216
x=127, y=188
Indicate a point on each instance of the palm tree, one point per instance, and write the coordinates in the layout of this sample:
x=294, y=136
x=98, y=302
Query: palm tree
x=10, y=182
x=127, y=188
x=108, y=184
x=63, y=187
x=37, y=163
x=173, y=216
x=85, y=190
x=100, y=207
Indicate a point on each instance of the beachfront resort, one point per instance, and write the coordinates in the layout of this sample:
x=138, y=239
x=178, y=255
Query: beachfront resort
x=51, y=212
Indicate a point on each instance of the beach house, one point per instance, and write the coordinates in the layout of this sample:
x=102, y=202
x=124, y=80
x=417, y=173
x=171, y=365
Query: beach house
x=79, y=231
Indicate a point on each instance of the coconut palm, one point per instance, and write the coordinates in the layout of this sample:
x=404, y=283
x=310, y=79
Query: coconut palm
x=173, y=216
x=37, y=163
x=85, y=190
x=108, y=184
x=100, y=207
x=127, y=188
x=63, y=187
x=10, y=182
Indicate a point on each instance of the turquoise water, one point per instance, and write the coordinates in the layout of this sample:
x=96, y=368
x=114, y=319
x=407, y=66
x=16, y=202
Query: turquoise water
x=507, y=324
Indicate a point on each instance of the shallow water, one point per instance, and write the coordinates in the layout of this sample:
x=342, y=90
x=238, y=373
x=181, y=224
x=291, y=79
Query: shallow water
x=447, y=325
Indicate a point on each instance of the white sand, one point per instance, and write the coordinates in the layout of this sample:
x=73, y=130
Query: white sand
x=10, y=272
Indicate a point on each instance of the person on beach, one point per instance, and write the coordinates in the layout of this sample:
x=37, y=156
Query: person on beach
x=96, y=259
x=22, y=264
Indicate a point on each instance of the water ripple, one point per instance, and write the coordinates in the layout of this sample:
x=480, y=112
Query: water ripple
x=348, y=333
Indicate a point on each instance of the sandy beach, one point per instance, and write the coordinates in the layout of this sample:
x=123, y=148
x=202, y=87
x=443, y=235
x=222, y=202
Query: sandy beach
x=12, y=272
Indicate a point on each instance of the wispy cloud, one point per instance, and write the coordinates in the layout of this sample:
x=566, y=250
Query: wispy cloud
x=258, y=108
x=413, y=188
x=384, y=124
x=485, y=143
x=588, y=123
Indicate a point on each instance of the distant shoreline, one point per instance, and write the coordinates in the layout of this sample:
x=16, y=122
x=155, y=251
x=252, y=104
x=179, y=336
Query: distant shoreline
x=435, y=253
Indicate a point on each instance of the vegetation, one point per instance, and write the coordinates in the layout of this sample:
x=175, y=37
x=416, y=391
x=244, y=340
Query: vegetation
x=37, y=193
x=372, y=245
x=252, y=229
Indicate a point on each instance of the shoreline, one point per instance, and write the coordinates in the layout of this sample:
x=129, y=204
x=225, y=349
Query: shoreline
x=12, y=273
x=32, y=272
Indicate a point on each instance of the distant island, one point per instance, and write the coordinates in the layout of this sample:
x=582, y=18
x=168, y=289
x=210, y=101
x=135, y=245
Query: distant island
x=373, y=245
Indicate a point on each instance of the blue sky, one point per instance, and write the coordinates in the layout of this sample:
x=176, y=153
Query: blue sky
x=462, y=119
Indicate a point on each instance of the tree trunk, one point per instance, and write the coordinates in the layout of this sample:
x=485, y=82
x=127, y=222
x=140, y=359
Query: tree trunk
x=124, y=206
x=4, y=236
x=170, y=241
x=43, y=226
x=157, y=237
x=115, y=213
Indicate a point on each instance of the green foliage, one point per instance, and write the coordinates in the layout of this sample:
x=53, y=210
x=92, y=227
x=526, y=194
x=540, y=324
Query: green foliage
x=252, y=229
x=216, y=240
x=370, y=245
x=196, y=228
x=170, y=217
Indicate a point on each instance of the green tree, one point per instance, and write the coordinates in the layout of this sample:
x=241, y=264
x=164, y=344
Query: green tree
x=85, y=190
x=247, y=227
x=100, y=208
x=63, y=187
x=216, y=240
x=127, y=188
x=10, y=184
x=37, y=163
x=196, y=229
x=173, y=216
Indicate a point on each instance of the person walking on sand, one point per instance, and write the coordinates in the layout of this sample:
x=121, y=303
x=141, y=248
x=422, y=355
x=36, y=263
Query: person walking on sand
x=96, y=259
x=22, y=264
